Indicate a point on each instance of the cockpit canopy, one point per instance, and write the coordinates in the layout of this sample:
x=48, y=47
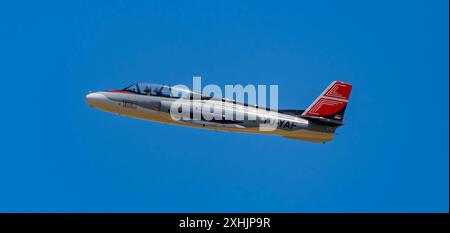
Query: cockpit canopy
x=162, y=90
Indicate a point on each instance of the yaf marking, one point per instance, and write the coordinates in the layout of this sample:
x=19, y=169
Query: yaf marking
x=286, y=124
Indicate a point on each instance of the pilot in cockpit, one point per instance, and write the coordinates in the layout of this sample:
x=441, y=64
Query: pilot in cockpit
x=147, y=90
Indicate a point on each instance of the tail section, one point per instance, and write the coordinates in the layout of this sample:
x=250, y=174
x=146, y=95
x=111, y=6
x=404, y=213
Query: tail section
x=330, y=106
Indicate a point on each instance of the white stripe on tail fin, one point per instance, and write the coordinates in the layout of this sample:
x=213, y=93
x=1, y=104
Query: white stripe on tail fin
x=331, y=103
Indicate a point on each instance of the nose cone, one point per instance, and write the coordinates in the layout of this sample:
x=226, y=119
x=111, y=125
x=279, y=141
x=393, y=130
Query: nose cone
x=96, y=99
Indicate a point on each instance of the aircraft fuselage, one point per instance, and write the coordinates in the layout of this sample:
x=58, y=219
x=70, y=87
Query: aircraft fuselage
x=158, y=109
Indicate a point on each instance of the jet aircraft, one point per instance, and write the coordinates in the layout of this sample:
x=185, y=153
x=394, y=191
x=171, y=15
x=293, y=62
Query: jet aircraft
x=154, y=102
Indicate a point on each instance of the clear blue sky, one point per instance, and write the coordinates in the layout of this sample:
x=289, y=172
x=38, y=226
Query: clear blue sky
x=59, y=155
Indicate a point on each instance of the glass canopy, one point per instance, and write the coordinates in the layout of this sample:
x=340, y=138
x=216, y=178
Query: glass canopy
x=162, y=90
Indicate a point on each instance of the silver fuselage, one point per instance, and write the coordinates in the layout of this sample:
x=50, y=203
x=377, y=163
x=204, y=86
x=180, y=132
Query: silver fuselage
x=158, y=109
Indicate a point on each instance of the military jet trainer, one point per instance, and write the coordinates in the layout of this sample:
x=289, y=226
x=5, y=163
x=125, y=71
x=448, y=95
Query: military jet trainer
x=153, y=102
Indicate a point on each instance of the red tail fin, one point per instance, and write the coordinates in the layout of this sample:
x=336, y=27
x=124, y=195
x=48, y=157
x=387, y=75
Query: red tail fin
x=331, y=103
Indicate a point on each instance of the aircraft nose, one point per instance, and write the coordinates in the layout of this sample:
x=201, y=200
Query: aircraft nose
x=95, y=99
